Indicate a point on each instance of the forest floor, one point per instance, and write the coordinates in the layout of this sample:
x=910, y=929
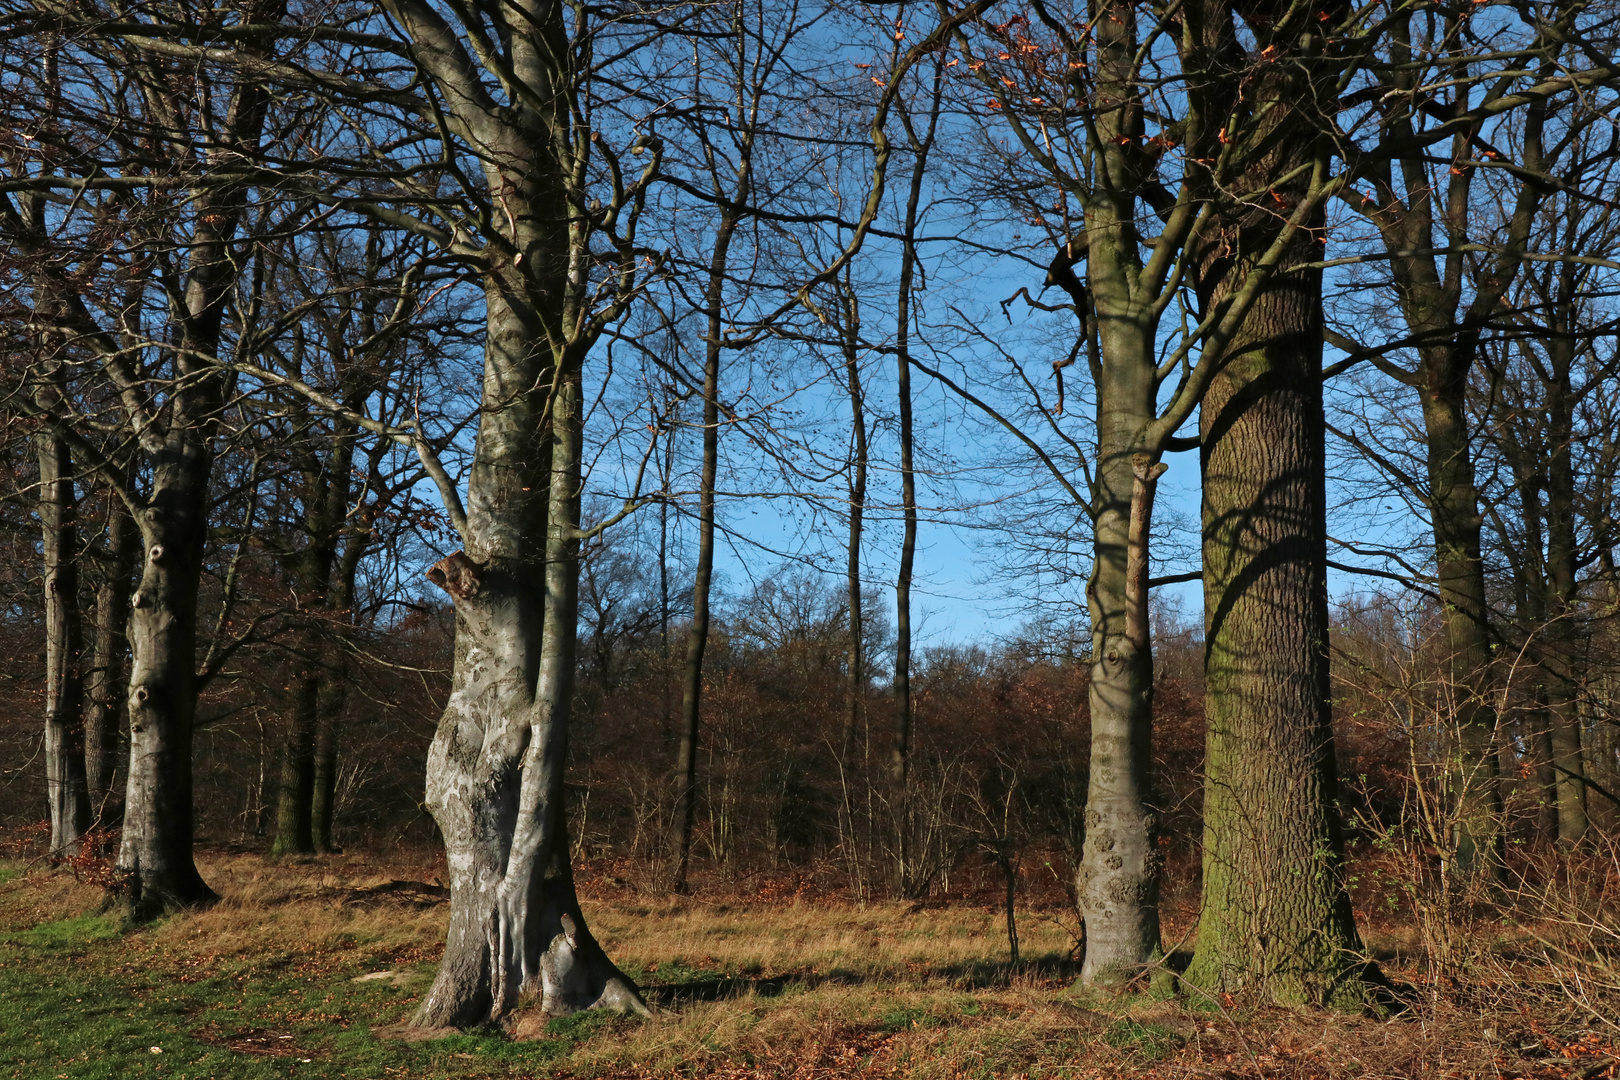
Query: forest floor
x=293, y=971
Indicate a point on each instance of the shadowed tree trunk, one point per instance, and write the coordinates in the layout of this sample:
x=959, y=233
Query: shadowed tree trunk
x=1275, y=917
x=104, y=680
x=295, y=794
x=66, y=785
x=1562, y=647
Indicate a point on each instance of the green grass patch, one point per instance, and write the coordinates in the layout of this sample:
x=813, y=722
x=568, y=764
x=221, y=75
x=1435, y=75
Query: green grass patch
x=1150, y=1041
x=67, y=933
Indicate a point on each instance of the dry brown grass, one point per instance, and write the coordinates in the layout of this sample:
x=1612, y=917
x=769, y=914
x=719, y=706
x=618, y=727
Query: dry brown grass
x=821, y=988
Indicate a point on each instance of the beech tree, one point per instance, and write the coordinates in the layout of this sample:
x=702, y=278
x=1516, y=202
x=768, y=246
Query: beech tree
x=129, y=243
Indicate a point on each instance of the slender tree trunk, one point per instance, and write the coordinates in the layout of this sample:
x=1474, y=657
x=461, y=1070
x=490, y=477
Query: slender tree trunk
x=105, y=680
x=697, y=641
x=1456, y=520
x=66, y=785
x=296, y=792
x=855, y=649
x=1562, y=637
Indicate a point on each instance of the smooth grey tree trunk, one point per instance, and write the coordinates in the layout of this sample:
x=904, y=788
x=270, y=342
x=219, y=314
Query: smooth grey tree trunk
x=66, y=784
x=155, y=855
x=495, y=768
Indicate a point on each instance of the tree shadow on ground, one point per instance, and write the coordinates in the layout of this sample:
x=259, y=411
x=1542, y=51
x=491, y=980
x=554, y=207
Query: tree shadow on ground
x=968, y=975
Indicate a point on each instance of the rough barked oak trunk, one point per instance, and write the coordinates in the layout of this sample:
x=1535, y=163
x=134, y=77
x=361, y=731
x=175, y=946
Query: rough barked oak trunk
x=66, y=785
x=1275, y=917
x=104, y=680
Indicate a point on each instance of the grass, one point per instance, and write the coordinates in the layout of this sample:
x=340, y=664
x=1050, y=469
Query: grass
x=270, y=983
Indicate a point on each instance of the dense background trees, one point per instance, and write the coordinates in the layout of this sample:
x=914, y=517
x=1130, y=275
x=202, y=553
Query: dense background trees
x=561, y=400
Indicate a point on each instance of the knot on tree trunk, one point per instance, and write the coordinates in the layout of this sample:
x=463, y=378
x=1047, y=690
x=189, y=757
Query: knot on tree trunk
x=458, y=574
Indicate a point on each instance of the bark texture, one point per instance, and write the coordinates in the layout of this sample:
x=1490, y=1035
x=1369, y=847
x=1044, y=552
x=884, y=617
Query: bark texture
x=1274, y=917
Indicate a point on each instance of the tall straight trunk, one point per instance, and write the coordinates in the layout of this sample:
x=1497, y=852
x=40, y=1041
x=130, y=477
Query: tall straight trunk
x=663, y=588
x=66, y=784
x=1408, y=213
x=1275, y=917
x=697, y=641
x=1456, y=521
x=900, y=754
x=1117, y=881
x=1563, y=646
x=104, y=680
x=295, y=794
x=855, y=649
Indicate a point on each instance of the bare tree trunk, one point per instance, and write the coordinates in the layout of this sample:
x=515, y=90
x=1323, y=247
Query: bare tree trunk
x=496, y=767
x=296, y=792
x=155, y=854
x=1454, y=510
x=1275, y=917
x=329, y=720
x=1563, y=648
x=66, y=785
x=1118, y=878
x=105, y=680
x=697, y=641
x=855, y=649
